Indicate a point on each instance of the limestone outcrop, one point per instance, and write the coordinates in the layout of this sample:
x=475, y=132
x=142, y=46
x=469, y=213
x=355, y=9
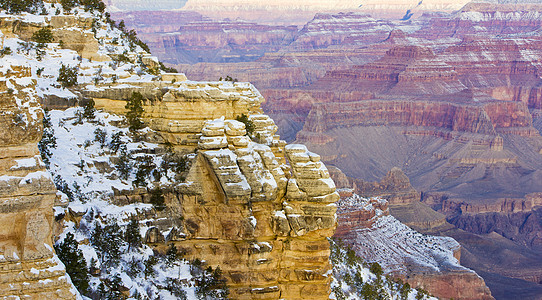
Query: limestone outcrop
x=257, y=208
x=28, y=266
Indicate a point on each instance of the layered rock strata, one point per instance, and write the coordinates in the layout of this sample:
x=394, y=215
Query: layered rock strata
x=258, y=209
x=429, y=262
x=178, y=111
x=265, y=223
x=28, y=266
x=395, y=187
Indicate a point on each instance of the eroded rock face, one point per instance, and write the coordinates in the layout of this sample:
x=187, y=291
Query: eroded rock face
x=446, y=98
x=395, y=187
x=424, y=261
x=242, y=208
x=28, y=264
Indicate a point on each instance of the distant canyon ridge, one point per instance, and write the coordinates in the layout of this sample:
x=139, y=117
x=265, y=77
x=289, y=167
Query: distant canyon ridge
x=446, y=94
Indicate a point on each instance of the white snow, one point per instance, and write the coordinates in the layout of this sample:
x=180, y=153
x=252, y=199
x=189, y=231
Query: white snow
x=253, y=221
x=27, y=163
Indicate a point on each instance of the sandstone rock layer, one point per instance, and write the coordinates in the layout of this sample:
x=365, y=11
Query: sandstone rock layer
x=28, y=266
x=257, y=208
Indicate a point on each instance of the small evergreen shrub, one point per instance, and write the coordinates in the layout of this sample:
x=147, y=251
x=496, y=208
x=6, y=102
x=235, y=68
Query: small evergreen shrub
x=43, y=36
x=67, y=5
x=132, y=235
x=228, y=78
x=211, y=285
x=175, y=287
x=89, y=5
x=67, y=76
x=134, y=105
x=149, y=266
x=171, y=254
x=108, y=240
x=5, y=51
x=100, y=136
x=63, y=186
x=48, y=139
x=116, y=141
x=89, y=110
x=145, y=166
x=19, y=6
x=110, y=288
x=124, y=163
x=123, y=58
x=376, y=269
x=167, y=69
x=157, y=199
x=249, y=125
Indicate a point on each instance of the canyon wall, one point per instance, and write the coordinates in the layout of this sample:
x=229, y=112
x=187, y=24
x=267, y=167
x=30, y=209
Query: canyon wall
x=241, y=208
x=29, y=267
x=451, y=99
x=259, y=209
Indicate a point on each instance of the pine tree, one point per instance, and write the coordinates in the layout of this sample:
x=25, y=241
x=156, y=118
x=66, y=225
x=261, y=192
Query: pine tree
x=149, y=266
x=132, y=235
x=116, y=141
x=158, y=199
x=48, y=139
x=76, y=266
x=134, y=267
x=100, y=136
x=67, y=76
x=211, y=285
x=135, y=111
x=108, y=241
x=171, y=255
x=112, y=242
x=123, y=165
x=89, y=110
x=43, y=36
x=249, y=125
x=145, y=166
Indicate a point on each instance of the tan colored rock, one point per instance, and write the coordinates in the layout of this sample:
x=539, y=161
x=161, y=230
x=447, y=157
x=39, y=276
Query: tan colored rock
x=242, y=213
x=28, y=267
x=176, y=77
x=243, y=208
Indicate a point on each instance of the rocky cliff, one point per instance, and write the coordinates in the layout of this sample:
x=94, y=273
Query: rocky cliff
x=452, y=99
x=270, y=239
x=224, y=41
x=29, y=267
x=423, y=261
x=395, y=187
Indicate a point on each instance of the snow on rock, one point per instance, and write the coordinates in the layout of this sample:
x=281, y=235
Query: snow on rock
x=395, y=246
x=353, y=278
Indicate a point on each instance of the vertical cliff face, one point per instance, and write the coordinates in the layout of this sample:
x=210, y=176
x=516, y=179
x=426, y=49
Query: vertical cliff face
x=259, y=209
x=28, y=266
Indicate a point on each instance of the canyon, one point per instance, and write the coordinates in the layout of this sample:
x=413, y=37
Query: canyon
x=450, y=95
x=252, y=210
